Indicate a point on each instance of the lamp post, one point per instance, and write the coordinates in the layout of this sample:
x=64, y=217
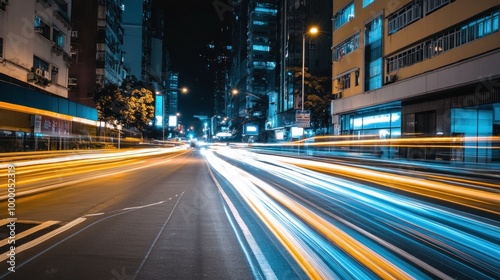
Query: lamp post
x=312, y=31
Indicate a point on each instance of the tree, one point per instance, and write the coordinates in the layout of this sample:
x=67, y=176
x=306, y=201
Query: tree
x=130, y=105
x=139, y=109
x=317, y=95
x=109, y=103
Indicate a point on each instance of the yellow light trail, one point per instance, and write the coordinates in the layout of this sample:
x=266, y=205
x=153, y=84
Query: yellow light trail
x=474, y=198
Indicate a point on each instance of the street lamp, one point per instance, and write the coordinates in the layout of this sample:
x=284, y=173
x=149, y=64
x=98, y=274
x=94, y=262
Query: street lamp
x=235, y=92
x=313, y=30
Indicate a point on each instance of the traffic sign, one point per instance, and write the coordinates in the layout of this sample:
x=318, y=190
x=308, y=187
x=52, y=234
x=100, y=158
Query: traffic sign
x=302, y=118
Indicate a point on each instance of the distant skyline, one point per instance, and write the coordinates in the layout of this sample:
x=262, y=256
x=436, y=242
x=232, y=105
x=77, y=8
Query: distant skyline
x=190, y=25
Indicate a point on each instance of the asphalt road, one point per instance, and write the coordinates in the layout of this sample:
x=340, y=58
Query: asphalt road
x=229, y=213
x=167, y=221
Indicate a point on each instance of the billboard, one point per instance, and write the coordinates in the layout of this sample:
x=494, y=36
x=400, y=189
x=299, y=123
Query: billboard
x=251, y=129
x=159, y=111
x=172, y=121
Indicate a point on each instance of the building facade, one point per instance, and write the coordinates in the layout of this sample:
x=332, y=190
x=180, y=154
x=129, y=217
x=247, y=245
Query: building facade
x=35, y=57
x=418, y=68
x=254, y=74
x=296, y=17
x=96, y=47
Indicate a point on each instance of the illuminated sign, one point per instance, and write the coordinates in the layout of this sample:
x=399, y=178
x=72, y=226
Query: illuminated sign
x=251, y=130
x=172, y=121
x=297, y=132
x=159, y=110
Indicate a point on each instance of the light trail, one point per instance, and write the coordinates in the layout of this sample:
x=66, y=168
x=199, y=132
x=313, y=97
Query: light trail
x=369, y=231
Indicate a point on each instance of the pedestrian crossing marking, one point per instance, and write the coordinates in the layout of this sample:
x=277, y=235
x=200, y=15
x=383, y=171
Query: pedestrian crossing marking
x=29, y=231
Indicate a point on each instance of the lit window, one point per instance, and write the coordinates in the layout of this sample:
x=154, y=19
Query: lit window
x=58, y=37
x=343, y=15
x=349, y=45
x=259, y=22
x=42, y=28
x=373, y=54
x=261, y=48
x=367, y=2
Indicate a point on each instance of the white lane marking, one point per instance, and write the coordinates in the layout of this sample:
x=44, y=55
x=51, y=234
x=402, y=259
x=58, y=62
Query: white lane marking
x=143, y=206
x=261, y=258
x=3, y=222
x=45, y=237
x=95, y=214
x=29, y=231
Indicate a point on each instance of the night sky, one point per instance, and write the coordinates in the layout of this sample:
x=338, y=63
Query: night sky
x=190, y=26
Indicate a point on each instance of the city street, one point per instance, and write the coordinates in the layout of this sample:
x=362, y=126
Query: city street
x=230, y=213
x=166, y=221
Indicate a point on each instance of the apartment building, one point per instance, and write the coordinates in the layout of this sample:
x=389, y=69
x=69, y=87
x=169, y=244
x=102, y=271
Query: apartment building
x=411, y=68
x=35, y=113
x=96, y=46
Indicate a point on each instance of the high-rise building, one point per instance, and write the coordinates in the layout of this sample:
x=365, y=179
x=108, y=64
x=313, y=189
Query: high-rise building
x=296, y=18
x=35, y=56
x=255, y=51
x=137, y=40
x=96, y=47
x=172, y=97
x=418, y=68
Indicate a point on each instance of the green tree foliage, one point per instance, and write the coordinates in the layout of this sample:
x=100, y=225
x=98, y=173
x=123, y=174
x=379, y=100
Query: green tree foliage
x=131, y=105
x=317, y=97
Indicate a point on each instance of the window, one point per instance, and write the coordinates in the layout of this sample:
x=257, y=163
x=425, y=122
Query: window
x=261, y=48
x=42, y=28
x=343, y=15
x=349, y=45
x=373, y=54
x=58, y=37
x=259, y=22
x=404, y=16
x=101, y=56
x=367, y=2
x=344, y=82
x=55, y=71
x=40, y=63
x=434, y=5
x=477, y=28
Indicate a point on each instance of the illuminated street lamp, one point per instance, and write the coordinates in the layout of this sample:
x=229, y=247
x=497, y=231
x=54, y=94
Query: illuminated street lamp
x=312, y=31
x=235, y=92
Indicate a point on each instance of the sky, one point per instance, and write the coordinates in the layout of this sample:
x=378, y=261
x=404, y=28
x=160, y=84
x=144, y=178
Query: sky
x=190, y=26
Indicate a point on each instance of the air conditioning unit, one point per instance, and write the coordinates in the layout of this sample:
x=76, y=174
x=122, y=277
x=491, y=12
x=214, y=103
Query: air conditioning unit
x=72, y=81
x=31, y=77
x=46, y=75
x=39, y=72
x=38, y=30
x=74, y=34
x=390, y=79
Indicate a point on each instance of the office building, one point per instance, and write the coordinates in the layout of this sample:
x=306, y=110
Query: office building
x=418, y=68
